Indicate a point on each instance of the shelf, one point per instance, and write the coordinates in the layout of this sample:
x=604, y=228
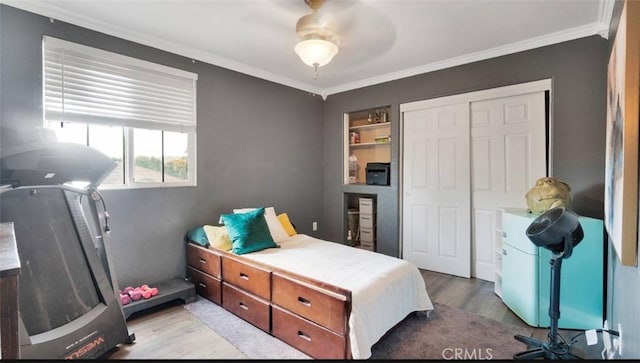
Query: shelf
x=370, y=126
x=363, y=144
x=362, y=188
x=167, y=291
x=365, y=141
x=366, y=185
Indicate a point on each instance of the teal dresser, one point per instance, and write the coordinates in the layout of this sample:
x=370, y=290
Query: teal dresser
x=526, y=275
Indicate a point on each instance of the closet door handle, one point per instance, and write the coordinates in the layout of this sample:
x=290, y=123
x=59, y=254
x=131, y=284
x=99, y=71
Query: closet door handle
x=504, y=252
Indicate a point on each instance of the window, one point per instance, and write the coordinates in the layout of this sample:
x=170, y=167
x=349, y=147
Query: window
x=141, y=114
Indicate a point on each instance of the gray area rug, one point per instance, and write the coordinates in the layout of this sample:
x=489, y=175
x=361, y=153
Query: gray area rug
x=448, y=333
x=248, y=339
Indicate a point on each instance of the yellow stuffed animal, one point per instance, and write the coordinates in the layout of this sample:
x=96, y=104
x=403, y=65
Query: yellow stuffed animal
x=546, y=194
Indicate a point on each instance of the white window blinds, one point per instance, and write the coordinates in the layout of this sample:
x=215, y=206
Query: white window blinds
x=89, y=85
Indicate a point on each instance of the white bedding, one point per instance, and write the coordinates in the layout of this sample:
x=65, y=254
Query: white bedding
x=384, y=289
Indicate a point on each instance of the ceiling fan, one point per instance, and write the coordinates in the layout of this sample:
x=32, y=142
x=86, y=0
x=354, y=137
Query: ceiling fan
x=359, y=29
x=318, y=39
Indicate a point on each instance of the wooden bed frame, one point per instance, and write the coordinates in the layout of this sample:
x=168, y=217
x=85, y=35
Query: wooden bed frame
x=308, y=314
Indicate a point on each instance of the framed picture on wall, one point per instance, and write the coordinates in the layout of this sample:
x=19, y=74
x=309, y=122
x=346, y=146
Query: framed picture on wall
x=621, y=163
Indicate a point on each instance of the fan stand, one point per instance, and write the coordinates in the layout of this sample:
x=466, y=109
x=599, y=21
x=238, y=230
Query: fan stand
x=551, y=349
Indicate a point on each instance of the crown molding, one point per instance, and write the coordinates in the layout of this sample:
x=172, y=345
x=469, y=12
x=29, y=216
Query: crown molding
x=601, y=27
x=549, y=39
x=56, y=13
x=605, y=13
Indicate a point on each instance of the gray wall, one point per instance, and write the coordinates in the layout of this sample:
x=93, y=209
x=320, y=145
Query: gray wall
x=623, y=290
x=578, y=72
x=262, y=143
x=258, y=144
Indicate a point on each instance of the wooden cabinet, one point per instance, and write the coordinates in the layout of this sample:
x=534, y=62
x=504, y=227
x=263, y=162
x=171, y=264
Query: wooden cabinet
x=309, y=315
x=309, y=302
x=204, y=270
x=207, y=286
x=367, y=139
x=252, y=279
x=247, y=306
x=526, y=274
x=307, y=336
x=201, y=259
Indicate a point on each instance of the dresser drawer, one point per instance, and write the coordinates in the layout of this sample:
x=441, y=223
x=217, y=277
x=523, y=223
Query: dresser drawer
x=514, y=226
x=366, y=206
x=320, y=306
x=367, y=220
x=367, y=246
x=306, y=336
x=250, y=278
x=248, y=307
x=206, y=286
x=366, y=235
x=204, y=260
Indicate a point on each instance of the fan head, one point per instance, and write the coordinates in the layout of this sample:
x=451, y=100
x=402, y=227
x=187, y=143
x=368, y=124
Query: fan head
x=555, y=228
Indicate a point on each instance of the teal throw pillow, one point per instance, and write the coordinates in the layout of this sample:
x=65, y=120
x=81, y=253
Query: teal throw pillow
x=198, y=236
x=249, y=231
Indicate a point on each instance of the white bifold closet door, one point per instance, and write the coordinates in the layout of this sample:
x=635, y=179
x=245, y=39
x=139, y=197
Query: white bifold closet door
x=460, y=162
x=437, y=189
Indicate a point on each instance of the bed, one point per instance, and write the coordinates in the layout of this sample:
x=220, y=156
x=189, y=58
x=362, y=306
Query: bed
x=329, y=300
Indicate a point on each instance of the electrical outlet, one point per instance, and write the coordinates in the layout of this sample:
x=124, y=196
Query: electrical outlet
x=315, y=226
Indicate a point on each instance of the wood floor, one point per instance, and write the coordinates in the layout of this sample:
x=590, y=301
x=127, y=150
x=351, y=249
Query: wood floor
x=474, y=296
x=169, y=331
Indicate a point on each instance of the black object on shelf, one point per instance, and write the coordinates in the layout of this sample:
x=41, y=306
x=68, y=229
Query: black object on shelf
x=378, y=173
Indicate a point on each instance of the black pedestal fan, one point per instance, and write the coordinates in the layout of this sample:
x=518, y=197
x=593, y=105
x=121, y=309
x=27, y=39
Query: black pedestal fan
x=557, y=230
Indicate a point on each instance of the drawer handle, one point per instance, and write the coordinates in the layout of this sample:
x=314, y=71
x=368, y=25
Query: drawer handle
x=203, y=261
x=304, y=336
x=244, y=276
x=304, y=301
x=363, y=217
x=204, y=286
x=504, y=234
x=243, y=306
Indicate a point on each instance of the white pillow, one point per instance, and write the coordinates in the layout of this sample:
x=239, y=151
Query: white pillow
x=278, y=233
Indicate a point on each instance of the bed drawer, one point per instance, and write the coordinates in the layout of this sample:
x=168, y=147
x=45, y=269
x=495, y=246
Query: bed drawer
x=323, y=307
x=248, y=307
x=204, y=260
x=247, y=277
x=206, y=286
x=306, y=336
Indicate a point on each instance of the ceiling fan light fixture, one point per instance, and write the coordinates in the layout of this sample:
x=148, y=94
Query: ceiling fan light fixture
x=316, y=52
x=317, y=39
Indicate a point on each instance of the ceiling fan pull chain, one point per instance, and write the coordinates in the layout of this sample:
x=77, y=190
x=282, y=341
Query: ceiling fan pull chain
x=315, y=68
